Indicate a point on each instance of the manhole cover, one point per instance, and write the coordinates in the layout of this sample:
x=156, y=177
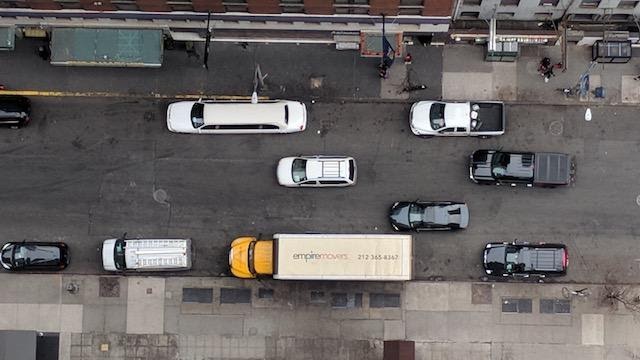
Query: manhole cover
x=160, y=196
x=109, y=287
x=555, y=128
x=316, y=82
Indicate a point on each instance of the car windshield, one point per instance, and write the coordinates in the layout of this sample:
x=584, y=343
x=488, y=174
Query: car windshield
x=415, y=215
x=511, y=260
x=436, y=115
x=499, y=162
x=299, y=170
x=119, y=254
x=197, y=115
x=26, y=254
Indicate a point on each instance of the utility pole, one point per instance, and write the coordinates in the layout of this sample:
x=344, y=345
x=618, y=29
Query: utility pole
x=207, y=41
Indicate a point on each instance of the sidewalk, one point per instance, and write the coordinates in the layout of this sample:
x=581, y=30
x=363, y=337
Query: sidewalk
x=224, y=318
x=322, y=73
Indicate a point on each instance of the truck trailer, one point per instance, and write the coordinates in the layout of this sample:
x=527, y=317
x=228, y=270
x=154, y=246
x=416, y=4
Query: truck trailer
x=375, y=257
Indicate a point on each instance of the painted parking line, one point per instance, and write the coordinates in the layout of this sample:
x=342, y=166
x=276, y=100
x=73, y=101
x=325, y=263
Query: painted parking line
x=98, y=94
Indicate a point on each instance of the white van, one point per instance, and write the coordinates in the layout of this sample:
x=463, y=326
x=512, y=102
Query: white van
x=230, y=117
x=146, y=254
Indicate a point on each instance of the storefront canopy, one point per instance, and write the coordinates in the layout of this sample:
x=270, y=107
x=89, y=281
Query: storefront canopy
x=106, y=47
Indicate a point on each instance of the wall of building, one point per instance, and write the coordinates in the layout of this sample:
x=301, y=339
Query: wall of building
x=310, y=7
x=582, y=11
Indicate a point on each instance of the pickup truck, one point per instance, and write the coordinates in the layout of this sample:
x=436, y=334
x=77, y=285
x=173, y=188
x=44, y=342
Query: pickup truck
x=511, y=259
x=514, y=168
x=477, y=118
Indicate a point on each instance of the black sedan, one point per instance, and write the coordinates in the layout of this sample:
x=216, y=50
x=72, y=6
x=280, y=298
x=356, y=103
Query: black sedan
x=34, y=256
x=428, y=215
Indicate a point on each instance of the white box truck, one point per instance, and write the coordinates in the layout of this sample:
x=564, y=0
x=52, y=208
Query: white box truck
x=146, y=254
x=324, y=257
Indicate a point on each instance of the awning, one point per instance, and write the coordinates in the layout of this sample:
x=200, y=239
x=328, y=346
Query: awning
x=7, y=37
x=186, y=36
x=106, y=47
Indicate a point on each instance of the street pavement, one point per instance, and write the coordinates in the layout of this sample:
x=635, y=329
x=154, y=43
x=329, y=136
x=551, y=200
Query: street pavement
x=99, y=162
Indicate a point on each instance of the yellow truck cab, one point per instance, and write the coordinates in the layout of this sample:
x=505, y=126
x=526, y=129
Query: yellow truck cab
x=249, y=258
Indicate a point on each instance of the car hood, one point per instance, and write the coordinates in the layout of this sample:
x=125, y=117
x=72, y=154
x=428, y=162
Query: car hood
x=283, y=171
x=179, y=117
x=419, y=121
x=108, y=261
x=494, y=258
x=481, y=164
x=399, y=215
x=297, y=116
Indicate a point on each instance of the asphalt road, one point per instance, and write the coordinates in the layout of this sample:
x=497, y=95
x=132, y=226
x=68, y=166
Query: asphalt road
x=87, y=169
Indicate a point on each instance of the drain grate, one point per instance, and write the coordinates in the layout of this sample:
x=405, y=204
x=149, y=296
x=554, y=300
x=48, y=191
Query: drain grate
x=377, y=300
x=345, y=300
x=555, y=306
x=265, y=293
x=235, y=296
x=316, y=297
x=197, y=295
x=511, y=305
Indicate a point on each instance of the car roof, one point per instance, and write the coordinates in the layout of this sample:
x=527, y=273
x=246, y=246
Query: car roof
x=327, y=167
x=235, y=113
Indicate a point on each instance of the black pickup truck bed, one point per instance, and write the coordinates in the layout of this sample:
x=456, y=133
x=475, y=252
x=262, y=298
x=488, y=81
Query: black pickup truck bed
x=552, y=169
x=490, y=115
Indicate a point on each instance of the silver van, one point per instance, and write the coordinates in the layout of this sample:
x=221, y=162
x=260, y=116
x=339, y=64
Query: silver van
x=146, y=254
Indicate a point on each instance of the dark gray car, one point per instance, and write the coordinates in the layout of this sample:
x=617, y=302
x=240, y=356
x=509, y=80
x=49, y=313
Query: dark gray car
x=428, y=215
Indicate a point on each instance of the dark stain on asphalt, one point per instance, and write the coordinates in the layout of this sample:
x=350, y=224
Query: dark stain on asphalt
x=77, y=143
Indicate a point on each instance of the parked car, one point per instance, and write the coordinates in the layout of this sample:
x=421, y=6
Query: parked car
x=317, y=171
x=428, y=215
x=521, y=168
x=34, y=256
x=15, y=111
x=511, y=259
x=233, y=117
x=476, y=118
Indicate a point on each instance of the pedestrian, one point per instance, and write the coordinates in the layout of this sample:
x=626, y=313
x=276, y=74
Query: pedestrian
x=407, y=59
x=382, y=71
x=44, y=52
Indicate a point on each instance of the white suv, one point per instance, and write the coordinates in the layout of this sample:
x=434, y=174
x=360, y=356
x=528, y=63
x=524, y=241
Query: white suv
x=317, y=171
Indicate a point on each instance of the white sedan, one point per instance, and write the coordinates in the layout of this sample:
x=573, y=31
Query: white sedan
x=317, y=171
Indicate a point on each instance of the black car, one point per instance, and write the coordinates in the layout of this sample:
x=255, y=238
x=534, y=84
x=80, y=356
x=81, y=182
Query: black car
x=15, y=111
x=428, y=215
x=34, y=256
x=511, y=259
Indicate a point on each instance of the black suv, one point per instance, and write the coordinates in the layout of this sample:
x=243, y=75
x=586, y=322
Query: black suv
x=511, y=259
x=15, y=111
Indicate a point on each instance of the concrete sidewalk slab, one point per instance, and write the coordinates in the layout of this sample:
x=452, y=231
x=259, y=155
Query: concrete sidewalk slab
x=145, y=305
x=592, y=329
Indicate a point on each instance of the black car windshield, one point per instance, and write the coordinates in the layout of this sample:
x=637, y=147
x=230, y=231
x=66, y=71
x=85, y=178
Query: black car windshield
x=415, y=215
x=499, y=162
x=119, y=254
x=197, y=115
x=512, y=263
x=436, y=115
x=299, y=170
x=28, y=255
